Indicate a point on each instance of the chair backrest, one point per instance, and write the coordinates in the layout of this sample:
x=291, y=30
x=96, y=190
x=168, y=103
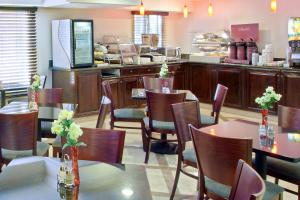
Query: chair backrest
x=102, y=145
x=18, y=131
x=108, y=93
x=49, y=96
x=184, y=114
x=103, y=110
x=159, y=105
x=151, y=83
x=247, y=183
x=217, y=157
x=289, y=118
x=218, y=101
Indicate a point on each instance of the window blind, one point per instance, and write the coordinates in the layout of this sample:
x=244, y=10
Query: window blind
x=18, y=54
x=149, y=24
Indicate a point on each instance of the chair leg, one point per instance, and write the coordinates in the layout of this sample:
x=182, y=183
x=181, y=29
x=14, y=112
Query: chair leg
x=144, y=137
x=276, y=181
x=176, y=178
x=148, y=148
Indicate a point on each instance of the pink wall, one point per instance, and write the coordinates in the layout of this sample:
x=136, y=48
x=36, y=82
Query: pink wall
x=273, y=26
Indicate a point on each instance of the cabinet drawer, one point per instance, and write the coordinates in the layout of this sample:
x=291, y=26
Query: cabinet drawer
x=152, y=70
x=173, y=68
x=129, y=72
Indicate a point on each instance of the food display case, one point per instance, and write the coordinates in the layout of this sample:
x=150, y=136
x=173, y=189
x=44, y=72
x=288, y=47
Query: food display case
x=210, y=47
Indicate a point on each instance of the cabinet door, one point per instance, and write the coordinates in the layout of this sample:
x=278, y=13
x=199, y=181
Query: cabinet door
x=291, y=89
x=233, y=79
x=127, y=85
x=88, y=93
x=257, y=82
x=200, y=82
x=178, y=72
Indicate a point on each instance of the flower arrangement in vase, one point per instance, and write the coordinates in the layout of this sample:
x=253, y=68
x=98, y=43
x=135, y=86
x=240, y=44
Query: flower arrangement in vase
x=164, y=71
x=266, y=102
x=65, y=126
x=35, y=86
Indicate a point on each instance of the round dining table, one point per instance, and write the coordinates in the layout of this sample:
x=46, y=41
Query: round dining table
x=35, y=178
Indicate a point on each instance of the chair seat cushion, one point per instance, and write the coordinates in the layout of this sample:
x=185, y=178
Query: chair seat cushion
x=41, y=150
x=217, y=188
x=189, y=155
x=160, y=125
x=129, y=113
x=284, y=168
x=207, y=120
x=272, y=191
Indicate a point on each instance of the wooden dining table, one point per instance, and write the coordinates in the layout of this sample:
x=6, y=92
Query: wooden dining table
x=47, y=112
x=140, y=94
x=35, y=178
x=284, y=145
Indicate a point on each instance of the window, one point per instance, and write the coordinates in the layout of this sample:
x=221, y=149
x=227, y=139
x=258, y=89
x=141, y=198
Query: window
x=149, y=24
x=18, y=56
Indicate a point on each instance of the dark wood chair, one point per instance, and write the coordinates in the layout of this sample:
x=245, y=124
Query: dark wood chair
x=160, y=118
x=102, y=145
x=247, y=183
x=49, y=96
x=217, y=158
x=151, y=83
x=288, y=120
x=103, y=110
x=123, y=114
x=218, y=102
x=184, y=114
x=18, y=136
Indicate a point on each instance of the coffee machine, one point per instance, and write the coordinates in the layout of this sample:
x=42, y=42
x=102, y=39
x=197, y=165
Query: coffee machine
x=294, y=40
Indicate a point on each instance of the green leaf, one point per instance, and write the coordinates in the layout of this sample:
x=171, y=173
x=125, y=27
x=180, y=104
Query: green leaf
x=66, y=145
x=81, y=144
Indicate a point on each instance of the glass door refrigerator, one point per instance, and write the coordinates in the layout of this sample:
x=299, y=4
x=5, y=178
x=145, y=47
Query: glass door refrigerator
x=72, y=43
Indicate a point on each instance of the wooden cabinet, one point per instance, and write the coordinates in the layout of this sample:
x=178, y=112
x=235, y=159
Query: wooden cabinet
x=290, y=89
x=200, y=78
x=233, y=79
x=178, y=72
x=257, y=81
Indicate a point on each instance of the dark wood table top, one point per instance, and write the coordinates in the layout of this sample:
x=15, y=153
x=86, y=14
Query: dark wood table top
x=48, y=112
x=35, y=178
x=140, y=94
x=285, y=146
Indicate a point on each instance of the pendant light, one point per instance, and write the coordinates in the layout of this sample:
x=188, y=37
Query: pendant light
x=210, y=9
x=273, y=5
x=185, y=11
x=142, y=8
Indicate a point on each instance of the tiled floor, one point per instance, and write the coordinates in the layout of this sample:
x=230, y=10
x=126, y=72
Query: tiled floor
x=161, y=168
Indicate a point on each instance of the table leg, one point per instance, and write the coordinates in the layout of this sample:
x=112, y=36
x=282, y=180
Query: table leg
x=261, y=165
x=39, y=133
x=2, y=98
x=162, y=147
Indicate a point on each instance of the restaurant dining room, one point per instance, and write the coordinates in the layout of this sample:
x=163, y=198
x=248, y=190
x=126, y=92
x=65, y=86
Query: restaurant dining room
x=149, y=100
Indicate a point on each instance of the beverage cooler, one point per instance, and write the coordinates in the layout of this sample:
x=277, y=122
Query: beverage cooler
x=72, y=43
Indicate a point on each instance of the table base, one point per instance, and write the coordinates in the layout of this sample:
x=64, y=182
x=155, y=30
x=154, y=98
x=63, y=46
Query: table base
x=261, y=165
x=164, y=148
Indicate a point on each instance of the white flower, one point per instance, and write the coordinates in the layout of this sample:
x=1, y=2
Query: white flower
x=57, y=128
x=164, y=70
x=270, y=89
x=65, y=115
x=74, y=132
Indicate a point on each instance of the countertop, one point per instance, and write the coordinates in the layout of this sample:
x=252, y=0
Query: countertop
x=119, y=66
